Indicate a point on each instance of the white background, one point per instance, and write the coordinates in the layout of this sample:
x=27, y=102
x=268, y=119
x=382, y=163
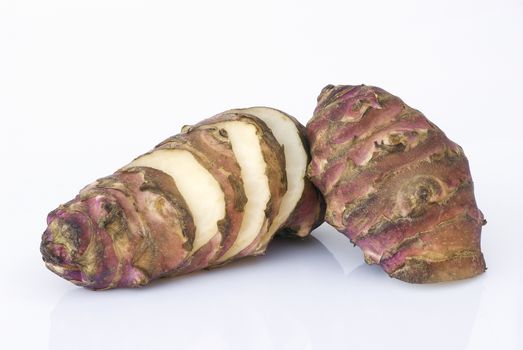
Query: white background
x=87, y=85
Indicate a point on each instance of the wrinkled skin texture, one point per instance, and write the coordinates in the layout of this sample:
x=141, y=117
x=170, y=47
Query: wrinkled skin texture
x=134, y=226
x=395, y=185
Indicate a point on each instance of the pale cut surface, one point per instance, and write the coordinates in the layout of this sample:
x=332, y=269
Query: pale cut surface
x=287, y=135
x=247, y=149
x=199, y=188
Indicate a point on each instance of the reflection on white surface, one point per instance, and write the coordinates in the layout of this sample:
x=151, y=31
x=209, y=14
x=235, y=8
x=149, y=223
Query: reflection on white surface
x=254, y=304
x=297, y=297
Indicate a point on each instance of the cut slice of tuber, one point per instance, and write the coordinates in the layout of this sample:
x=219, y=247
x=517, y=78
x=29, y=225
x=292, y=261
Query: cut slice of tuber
x=213, y=150
x=246, y=146
x=288, y=135
x=199, y=188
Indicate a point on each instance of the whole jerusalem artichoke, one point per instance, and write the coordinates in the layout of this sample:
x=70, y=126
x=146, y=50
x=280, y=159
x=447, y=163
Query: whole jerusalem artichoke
x=395, y=185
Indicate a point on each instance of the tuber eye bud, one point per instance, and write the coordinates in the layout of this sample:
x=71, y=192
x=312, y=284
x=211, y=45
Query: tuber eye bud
x=415, y=194
x=186, y=129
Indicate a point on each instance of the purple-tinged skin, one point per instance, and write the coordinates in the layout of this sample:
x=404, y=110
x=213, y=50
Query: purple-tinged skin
x=164, y=215
x=395, y=185
x=308, y=214
x=124, y=230
x=76, y=247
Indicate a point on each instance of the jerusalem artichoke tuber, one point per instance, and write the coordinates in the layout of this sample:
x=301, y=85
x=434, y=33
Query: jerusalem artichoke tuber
x=395, y=185
x=218, y=191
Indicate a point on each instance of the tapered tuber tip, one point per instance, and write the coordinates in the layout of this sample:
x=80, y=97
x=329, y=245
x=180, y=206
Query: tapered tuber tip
x=64, y=240
x=75, y=243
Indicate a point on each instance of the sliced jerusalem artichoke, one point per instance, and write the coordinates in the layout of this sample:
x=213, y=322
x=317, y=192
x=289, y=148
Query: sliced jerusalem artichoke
x=262, y=164
x=122, y=230
x=194, y=182
x=395, y=185
x=199, y=199
x=213, y=150
x=302, y=207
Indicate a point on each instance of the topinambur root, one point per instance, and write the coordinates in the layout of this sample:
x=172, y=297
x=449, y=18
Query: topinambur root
x=395, y=185
x=218, y=191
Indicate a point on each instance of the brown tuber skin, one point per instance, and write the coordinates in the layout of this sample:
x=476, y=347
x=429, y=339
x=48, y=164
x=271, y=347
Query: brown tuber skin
x=395, y=185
